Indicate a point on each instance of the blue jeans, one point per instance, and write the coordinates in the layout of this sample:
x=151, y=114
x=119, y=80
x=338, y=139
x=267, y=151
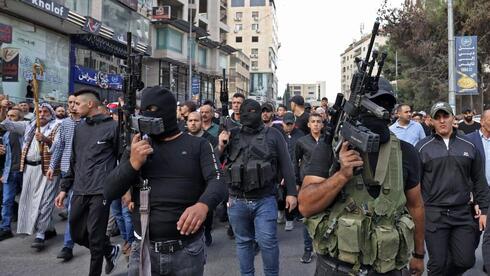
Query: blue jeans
x=188, y=261
x=123, y=220
x=255, y=220
x=9, y=191
x=67, y=241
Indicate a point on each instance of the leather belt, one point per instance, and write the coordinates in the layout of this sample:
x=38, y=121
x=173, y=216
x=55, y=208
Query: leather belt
x=338, y=266
x=171, y=246
x=33, y=163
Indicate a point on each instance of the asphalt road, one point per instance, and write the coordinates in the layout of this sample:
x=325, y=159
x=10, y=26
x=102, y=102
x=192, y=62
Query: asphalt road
x=17, y=258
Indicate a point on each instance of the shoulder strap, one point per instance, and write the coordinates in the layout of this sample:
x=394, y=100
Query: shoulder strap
x=145, y=263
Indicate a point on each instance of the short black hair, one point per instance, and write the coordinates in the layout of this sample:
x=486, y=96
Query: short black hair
x=208, y=102
x=281, y=105
x=399, y=107
x=87, y=91
x=191, y=105
x=239, y=95
x=325, y=98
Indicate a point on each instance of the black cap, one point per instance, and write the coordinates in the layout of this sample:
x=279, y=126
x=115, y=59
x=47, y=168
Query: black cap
x=467, y=110
x=267, y=107
x=307, y=105
x=289, y=118
x=298, y=100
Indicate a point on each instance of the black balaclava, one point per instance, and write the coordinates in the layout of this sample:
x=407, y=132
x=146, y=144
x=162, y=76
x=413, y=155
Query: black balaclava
x=251, y=115
x=166, y=106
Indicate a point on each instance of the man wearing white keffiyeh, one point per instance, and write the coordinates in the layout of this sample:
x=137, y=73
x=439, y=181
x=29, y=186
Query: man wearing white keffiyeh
x=38, y=192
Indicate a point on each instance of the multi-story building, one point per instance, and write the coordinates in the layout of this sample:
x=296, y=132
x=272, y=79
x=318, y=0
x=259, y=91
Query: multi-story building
x=254, y=31
x=311, y=92
x=356, y=50
x=239, y=74
x=192, y=36
x=79, y=43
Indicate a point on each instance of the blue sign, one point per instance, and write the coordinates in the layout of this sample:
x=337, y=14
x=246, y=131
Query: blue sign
x=196, y=85
x=466, y=65
x=96, y=78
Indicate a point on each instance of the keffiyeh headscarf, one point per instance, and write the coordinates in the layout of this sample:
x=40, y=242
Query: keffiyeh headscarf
x=31, y=129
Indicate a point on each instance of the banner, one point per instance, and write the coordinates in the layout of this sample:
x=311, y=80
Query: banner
x=50, y=7
x=5, y=33
x=96, y=78
x=466, y=65
x=10, y=64
x=161, y=13
x=196, y=85
x=92, y=25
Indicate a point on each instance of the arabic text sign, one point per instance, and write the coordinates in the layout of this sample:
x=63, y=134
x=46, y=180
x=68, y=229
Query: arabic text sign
x=466, y=65
x=196, y=85
x=5, y=33
x=96, y=78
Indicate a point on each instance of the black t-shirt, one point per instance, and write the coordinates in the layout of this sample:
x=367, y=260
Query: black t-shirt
x=302, y=122
x=468, y=128
x=323, y=158
x=14, y=140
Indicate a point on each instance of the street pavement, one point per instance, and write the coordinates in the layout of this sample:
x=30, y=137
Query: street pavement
x=17, y=258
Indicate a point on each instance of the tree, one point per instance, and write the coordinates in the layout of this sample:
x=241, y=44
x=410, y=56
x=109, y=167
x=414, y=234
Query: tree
x=418, y=34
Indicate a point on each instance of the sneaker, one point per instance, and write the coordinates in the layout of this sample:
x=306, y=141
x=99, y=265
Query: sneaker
x=281, y=218
x=66, y=254
x=38, y=244
x=111, y=261
x=208, y=239
x=5, y=234
x=289, y=225
x=49, y=234
x=230, y=233
x=306, y=259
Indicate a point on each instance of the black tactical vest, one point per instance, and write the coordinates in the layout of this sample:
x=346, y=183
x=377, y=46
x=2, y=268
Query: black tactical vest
x=250, y=164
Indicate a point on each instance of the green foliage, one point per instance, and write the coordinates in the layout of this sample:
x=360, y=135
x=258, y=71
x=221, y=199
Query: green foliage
x=418, y=34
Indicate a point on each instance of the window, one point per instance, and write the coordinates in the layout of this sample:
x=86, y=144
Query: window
x=237, y=3
x=255, y=39
x=255, y=64
x=255, y=27
x=169, y=39
x=202, y=56
x=238, y=27
x=255, y=15
x=238, y=16
x=255, y=51
x=257, y=3
x=238, y=39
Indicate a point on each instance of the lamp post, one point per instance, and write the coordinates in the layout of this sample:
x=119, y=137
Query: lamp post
x=451, y=61
x=189, y=42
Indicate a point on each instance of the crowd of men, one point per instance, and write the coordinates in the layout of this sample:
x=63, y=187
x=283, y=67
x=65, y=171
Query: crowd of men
x=261, y=167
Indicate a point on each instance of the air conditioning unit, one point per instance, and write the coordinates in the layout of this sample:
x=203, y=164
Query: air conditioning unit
x=253, y=55
x=238, y=19
x=255, y=68
x=235, y=31
x=256, y=18
x=258, y=31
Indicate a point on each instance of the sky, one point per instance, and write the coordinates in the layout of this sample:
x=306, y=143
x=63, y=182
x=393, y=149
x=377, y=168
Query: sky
x=313, y=34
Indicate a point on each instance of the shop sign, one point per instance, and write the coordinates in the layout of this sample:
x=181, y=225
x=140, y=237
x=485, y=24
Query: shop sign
x=50, y=7
x=5, y=33
x=96, y=78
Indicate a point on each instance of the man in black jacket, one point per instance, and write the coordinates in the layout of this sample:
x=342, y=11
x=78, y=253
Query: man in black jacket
x=185, y=184
x=452, y=170
x=95, y=145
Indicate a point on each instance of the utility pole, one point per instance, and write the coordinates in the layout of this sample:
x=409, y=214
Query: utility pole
x=451, y=61
x=190, y=44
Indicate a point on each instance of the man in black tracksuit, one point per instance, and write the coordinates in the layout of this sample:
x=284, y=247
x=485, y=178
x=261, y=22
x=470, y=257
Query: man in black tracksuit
x=185, y=182
x=95, y=146
x=452, y=169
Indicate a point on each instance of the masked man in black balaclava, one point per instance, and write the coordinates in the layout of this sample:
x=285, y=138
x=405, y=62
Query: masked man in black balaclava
x=333, y=216
x=254, y=155
x=185, y=183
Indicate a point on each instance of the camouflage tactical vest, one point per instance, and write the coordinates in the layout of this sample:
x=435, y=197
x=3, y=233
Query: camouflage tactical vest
x=362, y=230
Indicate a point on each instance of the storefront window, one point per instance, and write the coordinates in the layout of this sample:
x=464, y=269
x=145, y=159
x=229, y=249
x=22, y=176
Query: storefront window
x=81, y=7
x=169, y=39
x=121, y=19
x=202, y=56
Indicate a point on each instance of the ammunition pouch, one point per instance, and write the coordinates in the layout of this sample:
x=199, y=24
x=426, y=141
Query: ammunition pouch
x=234, y=175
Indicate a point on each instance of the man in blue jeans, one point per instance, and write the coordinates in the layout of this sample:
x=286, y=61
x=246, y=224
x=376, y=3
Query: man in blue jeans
x=11, y=176
x=254, y=154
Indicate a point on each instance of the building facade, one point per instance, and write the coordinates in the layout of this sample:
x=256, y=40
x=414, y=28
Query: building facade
x=79, y=43
x=254, y=30
x=193, y=33
x=347, y=59
x=311, y=92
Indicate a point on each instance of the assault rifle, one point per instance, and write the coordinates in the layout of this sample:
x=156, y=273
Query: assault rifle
x=132, y=83
x=223, y=98
x=345, y=124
